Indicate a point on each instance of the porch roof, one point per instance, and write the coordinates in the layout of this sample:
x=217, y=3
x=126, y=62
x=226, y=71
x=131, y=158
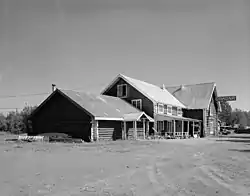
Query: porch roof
x=137, y=116
x=161, y=117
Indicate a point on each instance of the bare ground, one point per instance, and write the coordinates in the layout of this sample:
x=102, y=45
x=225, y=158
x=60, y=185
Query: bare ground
x=144, y=168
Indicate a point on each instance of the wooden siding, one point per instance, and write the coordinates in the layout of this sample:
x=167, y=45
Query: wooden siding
x=130, y=130
x=211, y=120
x=147, y=104
x=110, y=130
x=62, y=116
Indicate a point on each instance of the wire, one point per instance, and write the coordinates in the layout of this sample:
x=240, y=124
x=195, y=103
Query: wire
x=22, y=95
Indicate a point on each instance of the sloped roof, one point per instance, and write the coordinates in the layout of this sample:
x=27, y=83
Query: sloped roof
x=101, y=105
x=195, y=96
x=137, y=116
x=153, y=92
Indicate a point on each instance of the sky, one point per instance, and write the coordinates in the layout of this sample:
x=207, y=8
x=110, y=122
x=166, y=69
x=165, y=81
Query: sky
x=84, y=44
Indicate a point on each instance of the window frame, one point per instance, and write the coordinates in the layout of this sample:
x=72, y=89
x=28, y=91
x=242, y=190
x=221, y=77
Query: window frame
x=165, y=109
x=121, y=87
x=179, y=111
x=169, y=107
x=136, y=103
x=162, y=105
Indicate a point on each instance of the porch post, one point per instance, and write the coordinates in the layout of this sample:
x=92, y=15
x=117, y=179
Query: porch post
x=147, y=128
x=182, y=127
x=188, y=128
x=193, y=128
x=143, y=121
x=135, y=130
x=125, y=131
x=174, y=128
x=97, y=130
x=92, y=130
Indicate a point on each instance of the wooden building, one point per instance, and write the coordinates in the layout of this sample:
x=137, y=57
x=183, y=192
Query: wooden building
x=181, y=110
x=90, y=117
x=129, y=108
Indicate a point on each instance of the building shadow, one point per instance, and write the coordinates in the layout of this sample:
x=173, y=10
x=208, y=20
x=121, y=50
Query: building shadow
x=239, y=150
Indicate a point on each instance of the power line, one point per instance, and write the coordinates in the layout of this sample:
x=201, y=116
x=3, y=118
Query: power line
x=22, y=95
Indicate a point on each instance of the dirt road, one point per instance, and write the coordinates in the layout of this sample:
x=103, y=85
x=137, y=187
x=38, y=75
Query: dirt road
x=173, y=167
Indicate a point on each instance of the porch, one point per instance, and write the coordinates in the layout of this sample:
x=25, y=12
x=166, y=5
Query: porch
x=136, y=126
x=177, y=127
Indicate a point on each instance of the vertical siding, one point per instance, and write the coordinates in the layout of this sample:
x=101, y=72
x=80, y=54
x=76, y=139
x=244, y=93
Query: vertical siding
x=62, y=116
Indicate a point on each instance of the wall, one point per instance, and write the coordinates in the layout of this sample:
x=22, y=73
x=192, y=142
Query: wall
x=211, y=120
x=110, y=130
x=61, y=115
x=147, y=104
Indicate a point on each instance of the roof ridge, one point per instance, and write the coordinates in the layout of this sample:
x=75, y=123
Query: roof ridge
x=193, y=84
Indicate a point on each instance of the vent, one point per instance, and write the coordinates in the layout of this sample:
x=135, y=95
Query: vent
x=163, y=87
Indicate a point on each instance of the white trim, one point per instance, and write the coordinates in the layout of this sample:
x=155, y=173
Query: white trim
x=211, y=96
x=162, y=105
x=136, y=102
x=108, y=118
x=179, y=109
x=121, y=85
x=169, y=113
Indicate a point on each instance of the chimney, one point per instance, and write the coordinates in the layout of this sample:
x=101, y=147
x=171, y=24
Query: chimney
x=53, y=87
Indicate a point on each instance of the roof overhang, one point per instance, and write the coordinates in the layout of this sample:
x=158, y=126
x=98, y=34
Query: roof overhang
x=137, y=117
x=162, y=117
x=108, y=118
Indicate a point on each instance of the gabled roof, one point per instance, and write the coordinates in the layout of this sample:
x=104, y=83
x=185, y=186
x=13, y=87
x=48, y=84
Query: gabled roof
x=100, y=107
x=137, y=116
x=153, y=92
x=194, y=96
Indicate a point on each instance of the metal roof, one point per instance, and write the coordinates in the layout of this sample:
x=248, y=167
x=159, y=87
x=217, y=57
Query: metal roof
x=104, y=107
x=137, y=116
x=195, y=96
x=151, y=91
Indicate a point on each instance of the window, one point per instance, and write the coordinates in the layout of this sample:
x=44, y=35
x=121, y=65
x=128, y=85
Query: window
x=160, y=108
x=137, y=103
x=174, y=111
x=122, y=90
x=165, y=109
x=169, y=109
x=160, y=125
x=179, y=112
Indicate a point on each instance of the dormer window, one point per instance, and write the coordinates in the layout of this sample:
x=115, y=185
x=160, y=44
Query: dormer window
x=122, y=90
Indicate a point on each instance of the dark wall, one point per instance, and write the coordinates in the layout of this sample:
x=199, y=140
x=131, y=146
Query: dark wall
x=61, y=115
x=112, y=129
x=147, y=105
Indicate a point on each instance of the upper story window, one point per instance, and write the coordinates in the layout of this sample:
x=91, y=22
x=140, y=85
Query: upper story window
x=174, y=111
x=122, y=90
x=137, y=103
x=169, y=109
x=160, y=108
x=179, y=112
x=165, y=109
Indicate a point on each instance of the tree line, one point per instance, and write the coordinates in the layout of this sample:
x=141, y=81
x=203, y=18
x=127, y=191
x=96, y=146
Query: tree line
x=232, y=117
x=16, y=122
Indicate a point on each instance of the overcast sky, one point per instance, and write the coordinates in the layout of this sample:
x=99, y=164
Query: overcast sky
x=86, y=43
